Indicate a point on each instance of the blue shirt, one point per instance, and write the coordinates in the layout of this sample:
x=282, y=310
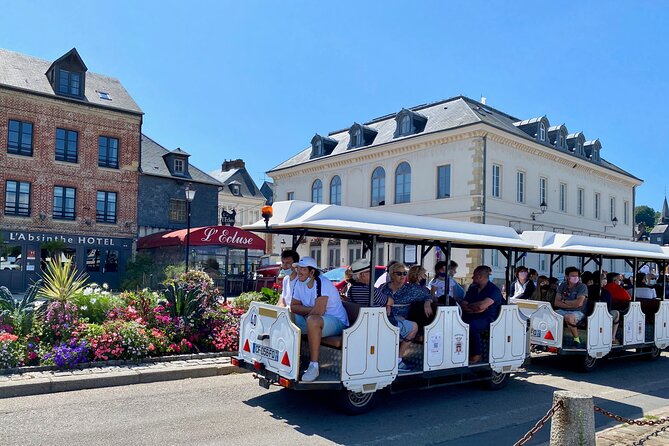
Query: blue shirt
x=409, y=292
x=489, y=291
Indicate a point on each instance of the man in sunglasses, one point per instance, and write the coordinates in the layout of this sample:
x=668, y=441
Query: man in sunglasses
x=480, y=307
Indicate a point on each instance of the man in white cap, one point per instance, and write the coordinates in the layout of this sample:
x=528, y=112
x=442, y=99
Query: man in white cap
x=358, y=292
x=318, y=310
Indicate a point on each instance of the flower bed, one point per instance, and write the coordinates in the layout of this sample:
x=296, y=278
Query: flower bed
x=94, y=325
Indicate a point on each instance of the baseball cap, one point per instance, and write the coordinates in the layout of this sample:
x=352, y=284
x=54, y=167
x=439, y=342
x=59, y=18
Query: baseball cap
x=307, y=262
x=360, y=265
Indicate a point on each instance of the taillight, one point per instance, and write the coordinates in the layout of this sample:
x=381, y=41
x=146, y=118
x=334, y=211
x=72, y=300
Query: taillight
x=284, y=382
x=234, y=361
x=258, y=365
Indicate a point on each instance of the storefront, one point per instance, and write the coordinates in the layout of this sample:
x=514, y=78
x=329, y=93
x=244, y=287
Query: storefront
x=23, y=256
x=228, y=254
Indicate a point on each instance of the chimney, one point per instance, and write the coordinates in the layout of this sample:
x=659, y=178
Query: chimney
x=483, y=100
x=232, y=164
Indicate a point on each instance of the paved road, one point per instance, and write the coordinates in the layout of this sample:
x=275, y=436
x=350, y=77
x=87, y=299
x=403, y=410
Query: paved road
x=234, y=410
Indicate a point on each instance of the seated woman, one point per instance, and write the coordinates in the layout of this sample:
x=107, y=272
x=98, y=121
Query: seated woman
x=522, y=287
x=643, y=291
x=402, y=295
x=438, y=284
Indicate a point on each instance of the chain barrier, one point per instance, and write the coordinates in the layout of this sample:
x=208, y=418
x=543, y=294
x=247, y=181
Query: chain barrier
x=620, y=419
x=537, y=427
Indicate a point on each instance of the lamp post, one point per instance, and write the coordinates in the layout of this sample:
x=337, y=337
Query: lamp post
x=190, y=195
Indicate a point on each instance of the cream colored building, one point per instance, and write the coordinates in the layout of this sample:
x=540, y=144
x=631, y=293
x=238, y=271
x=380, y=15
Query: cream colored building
x=463, y=160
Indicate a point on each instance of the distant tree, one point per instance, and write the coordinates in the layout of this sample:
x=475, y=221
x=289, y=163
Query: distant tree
x=646, y=215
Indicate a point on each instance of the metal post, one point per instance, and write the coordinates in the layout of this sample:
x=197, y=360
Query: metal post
x=574, y=423
x=372, y=270
x=187, y=233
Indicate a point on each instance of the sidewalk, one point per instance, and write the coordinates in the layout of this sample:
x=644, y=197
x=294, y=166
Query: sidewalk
x=626, y=434
x=40, y=382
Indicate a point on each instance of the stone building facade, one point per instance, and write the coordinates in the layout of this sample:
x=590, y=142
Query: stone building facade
x=461, y=159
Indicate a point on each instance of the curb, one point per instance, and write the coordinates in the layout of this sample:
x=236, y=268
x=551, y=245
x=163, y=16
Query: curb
x=66, y=381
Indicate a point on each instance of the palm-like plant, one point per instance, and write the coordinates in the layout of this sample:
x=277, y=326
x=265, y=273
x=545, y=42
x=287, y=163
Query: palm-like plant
x=20, y=313
x=61, y=280
x=187, y=304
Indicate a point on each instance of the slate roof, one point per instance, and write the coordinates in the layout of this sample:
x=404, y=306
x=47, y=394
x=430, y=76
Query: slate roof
x=29, y=74
x=153, y=164
x=240, y=176
x=453, y=113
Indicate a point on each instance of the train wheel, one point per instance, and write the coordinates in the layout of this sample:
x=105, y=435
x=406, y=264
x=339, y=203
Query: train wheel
x=355, y=403
x=654, y=353
x=587, y=363
x=498, y=380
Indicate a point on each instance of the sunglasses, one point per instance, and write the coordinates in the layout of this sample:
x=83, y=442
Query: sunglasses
x=400, y=273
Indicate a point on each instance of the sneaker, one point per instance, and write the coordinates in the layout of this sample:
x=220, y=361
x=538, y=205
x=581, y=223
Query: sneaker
x=404, y=367
x=311, y=373
x=577, y=344
x=615, y=341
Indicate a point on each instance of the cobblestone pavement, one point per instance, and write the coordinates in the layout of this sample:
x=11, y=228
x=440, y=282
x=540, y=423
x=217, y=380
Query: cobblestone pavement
x=632, y=435
x=39, y=382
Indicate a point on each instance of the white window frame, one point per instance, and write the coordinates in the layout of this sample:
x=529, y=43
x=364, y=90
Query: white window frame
x=405, y=125
x=542, y=131
x=444, y=193
x=520, y=186
x=626, y=212
x=598, y=206
x=543, y=187
x=179, y=165
x=563, y=197
x=290, y=196
x=612, y=207
x=580, y=201
x=496, y=181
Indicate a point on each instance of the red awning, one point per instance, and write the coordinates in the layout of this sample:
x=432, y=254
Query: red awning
x=207, y=236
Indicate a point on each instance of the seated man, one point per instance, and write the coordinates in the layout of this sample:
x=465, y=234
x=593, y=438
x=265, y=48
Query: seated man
x=287, y=275
x=643, y=290
x=358, y=291
x=480, y=307
x=318, y=310
x=619, y=297
x=570, y=301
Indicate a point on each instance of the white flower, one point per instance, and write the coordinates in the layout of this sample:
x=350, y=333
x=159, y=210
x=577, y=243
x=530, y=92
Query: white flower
x=93, y=300
x=88, y=291
x=83, y=308
x=105, y=286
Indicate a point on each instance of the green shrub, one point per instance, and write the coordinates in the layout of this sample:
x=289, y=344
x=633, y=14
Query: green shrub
x=61, y=281
x=184, y=303
x=19, y=314
x=141, y=272
x=243, y=301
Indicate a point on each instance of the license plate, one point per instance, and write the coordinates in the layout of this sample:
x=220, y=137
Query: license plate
x=266, y=352
x=537, y=333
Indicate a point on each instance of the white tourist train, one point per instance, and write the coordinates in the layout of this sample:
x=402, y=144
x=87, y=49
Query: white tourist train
x=363, y=360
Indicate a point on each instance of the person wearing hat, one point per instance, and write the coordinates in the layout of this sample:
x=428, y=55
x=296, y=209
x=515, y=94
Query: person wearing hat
x=358, y=292
x=318, y=310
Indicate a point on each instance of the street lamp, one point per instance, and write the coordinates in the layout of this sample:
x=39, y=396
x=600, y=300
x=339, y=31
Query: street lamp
x=614, y=222
x=543, y=206
x=190, y=195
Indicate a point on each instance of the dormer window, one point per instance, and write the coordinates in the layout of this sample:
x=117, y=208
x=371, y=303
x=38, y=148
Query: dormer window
x=179, y=166
x=575, y=143
x=69, y=83
x=591, y=150
x=67, y=75
x=322, y=146
x=542, y=132
x=560, y=141
x=409, y=122
x=234, y=188
x=360, y=135
x=405, y=126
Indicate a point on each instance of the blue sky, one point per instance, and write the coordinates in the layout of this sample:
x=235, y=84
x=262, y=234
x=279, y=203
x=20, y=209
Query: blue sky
x=257, y=79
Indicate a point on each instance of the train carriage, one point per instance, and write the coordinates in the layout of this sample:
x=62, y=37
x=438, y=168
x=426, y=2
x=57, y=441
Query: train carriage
x=363, y=360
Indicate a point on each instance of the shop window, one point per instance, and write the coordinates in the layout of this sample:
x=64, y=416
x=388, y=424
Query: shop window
x=62, y=256
x=10, y=258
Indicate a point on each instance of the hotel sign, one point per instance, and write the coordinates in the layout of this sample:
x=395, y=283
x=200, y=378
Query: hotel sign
x=41, y=237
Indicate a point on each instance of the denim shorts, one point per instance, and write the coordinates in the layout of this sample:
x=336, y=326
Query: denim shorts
x=579, y=314
x=405, y=327
x=331, y=325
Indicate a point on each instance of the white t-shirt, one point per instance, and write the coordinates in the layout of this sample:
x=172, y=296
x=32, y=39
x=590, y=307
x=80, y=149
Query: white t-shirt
x=382, y=280
x=645, y=293
x=308, y=296
x=440, y=284
x=286, y=289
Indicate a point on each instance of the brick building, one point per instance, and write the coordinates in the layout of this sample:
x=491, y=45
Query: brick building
x=69, y=158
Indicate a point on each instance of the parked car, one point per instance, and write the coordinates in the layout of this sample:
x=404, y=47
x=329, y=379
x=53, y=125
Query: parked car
x=9, y=266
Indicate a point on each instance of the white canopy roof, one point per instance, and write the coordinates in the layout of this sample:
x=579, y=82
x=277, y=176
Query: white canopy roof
x=571, y=244
x=290, y=215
